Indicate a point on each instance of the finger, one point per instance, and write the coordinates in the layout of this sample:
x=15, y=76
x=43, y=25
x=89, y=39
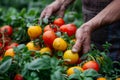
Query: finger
x=48, y=13
x=86, y=45
x=77, y=46
x=42, y=15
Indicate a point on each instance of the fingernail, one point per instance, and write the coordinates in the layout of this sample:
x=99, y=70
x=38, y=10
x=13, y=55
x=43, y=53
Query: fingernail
x=74, y=50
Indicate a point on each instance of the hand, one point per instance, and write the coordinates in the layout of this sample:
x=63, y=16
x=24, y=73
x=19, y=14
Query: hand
x=56, y=7
x=83, y=35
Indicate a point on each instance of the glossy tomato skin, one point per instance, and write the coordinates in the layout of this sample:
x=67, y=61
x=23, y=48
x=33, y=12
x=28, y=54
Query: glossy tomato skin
x=48, y=38
x=8, y=30
x=50, y=28
x=59, y=22
x=91, y=65
x=18, y=77
x=70, y=29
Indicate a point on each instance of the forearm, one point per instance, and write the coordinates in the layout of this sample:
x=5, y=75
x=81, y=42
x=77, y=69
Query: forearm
x=108, y=15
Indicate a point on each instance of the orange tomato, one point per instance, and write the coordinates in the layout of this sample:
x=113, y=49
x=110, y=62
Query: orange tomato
x=9, y=52
x=48, y=38
x=59, y=22
x=91, y=65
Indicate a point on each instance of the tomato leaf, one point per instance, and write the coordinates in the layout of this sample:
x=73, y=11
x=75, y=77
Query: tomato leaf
x=5, y=65
x=57, y=75
x=39, y=63
x=90, y=73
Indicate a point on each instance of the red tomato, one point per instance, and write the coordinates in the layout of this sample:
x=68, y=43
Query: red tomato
x=70, y=29
x=59, y=22
x=0, y=35
x=8, y=30
x=1, y=50
x=18, y=77
x=50, y=28
x=48, y=38
x=7, y=40
x=91, y=65
x=12, y=45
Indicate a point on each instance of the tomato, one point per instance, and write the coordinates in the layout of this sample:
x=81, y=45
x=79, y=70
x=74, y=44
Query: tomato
x=1, y=50
x=48, y=38
x=9, y=52
x=60, y=44
x=0, y=35
x=91, y=65
x=34, y=31
x=70, y=29
x=8, y=30
x=12, y=45
x=18, y=77
x=59, y=22
x=70, y=57
x=50, y=28
x=70, y=70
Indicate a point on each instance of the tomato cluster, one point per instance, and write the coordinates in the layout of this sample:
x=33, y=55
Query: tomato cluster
x=5, y=39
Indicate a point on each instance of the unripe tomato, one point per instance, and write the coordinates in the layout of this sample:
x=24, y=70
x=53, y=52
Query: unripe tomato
x=48, y=38
x=18, y=77
x=91, y=65
x=7, y=30
x=59, y=22
x=50, y=28
x=70, y=29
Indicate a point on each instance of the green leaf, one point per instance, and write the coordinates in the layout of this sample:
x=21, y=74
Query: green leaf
x=88, y=78
x=90, y=73
x=57, y=75
x=5, y=66
x=39, y=63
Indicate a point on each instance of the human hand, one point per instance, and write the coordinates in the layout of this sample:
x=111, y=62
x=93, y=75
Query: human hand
x=55, y=7
x=83, y=35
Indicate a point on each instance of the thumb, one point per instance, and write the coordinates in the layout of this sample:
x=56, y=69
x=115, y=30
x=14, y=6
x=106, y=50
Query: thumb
x=77, y=46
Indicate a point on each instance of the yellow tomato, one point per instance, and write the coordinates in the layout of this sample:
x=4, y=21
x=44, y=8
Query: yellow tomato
x=117, y=78
x=32, y=46
x=101, y=78
x=46, y=49
x=9, y=52
x=59, y=44
x=34, y=31
x=71, y=70
x=70, y=57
